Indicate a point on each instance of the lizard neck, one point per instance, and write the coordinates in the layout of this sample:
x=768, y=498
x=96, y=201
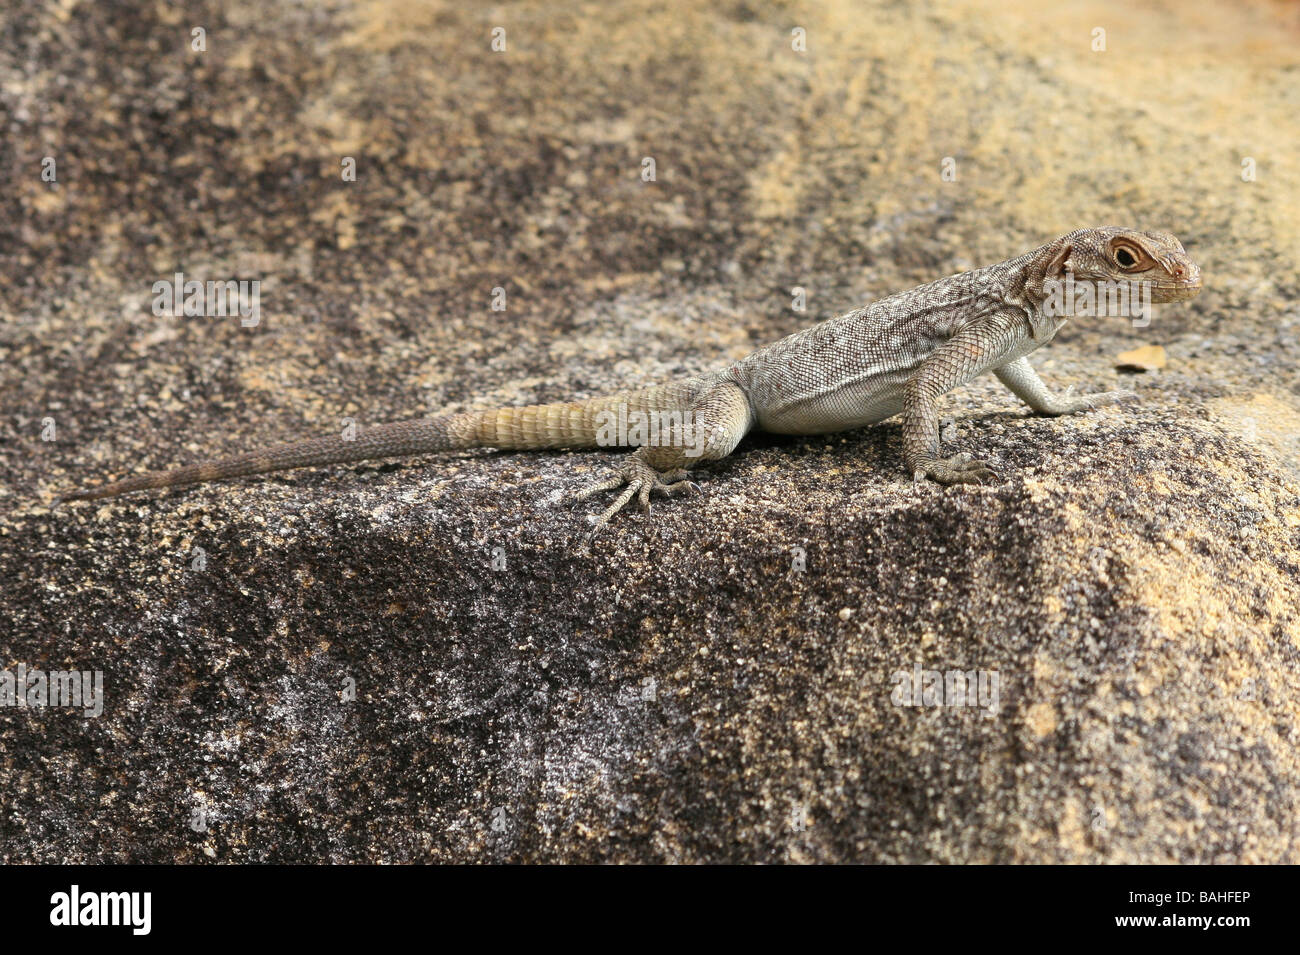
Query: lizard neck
x=1023, y=287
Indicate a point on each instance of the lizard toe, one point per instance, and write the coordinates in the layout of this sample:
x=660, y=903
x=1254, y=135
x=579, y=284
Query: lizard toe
x=1113, y=398
x=639, y=480
x=614, y=508
x=593, y=490
x=960, y=469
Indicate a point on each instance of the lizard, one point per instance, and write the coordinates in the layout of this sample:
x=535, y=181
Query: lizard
x=896, y=356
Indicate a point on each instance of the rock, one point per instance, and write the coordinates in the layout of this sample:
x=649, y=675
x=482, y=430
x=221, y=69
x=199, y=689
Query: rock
x=419, y=661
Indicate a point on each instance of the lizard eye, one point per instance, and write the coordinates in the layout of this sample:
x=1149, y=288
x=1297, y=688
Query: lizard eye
x=1130, y=257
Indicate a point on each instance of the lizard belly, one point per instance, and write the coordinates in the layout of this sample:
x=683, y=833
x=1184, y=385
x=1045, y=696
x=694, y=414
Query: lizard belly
x=857, y=402
x=852, y=405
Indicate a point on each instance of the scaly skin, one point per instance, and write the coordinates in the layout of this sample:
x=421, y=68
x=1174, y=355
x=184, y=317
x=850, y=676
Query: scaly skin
x=898, y=355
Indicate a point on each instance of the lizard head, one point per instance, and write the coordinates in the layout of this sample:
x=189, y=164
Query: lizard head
x=1126, y=255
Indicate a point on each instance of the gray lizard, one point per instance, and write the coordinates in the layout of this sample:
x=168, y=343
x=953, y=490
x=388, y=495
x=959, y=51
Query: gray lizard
x=896, y=355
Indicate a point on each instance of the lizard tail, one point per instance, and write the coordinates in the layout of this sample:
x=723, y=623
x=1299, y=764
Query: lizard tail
x=563, y=425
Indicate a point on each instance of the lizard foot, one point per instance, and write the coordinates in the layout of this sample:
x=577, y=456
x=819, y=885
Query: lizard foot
x=956, y=470
x=1070, y=404
x=641, y=480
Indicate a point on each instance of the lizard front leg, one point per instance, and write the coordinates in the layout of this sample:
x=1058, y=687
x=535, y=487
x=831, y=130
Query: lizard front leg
x=1020, y=377
x=953, y=363
x=709, y=429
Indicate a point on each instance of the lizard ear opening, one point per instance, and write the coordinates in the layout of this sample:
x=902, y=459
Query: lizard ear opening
x=1056, y=266
x=1053, y=265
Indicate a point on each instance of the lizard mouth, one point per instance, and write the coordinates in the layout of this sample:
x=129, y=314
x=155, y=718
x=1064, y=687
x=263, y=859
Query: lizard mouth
x=1177, y=291
x=1187, y=281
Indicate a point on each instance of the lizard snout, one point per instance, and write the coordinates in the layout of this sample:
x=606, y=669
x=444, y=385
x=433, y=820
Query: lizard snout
x=1186, y=283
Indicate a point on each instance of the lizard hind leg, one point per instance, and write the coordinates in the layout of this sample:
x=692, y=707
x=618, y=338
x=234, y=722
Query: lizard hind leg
x=716, y=420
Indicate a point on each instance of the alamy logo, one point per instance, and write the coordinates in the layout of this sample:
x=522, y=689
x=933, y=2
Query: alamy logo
x=660, y=429
x=26, y=688
x=194, y=299
x=103, y=908
x=1105, y=298
x=946, y=688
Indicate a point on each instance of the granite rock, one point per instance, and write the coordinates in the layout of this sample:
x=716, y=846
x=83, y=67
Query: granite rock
x=417, y=660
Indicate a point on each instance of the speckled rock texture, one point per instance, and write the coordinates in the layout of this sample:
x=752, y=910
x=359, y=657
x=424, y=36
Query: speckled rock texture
x=417, y=661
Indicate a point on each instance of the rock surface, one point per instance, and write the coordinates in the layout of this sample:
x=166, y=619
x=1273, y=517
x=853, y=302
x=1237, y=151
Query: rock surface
x=720, y=684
